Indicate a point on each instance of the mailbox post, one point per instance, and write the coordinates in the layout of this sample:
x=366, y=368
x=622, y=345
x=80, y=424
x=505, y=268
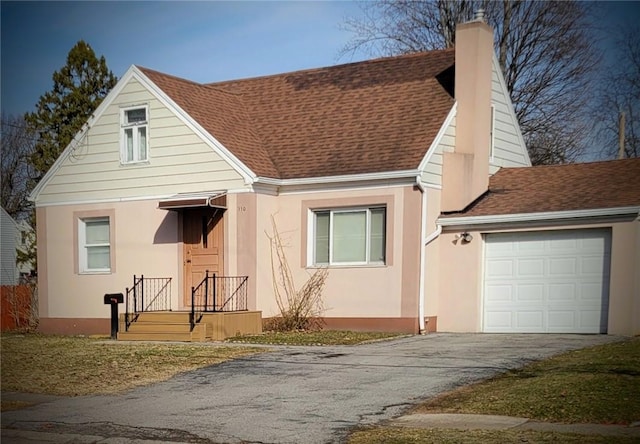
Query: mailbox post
x=114, y=299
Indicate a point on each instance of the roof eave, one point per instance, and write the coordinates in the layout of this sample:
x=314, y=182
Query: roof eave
x=548, y=218
x=343, y=178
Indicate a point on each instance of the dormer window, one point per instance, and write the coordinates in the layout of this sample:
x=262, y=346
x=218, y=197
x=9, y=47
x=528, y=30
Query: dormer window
x=134, y=135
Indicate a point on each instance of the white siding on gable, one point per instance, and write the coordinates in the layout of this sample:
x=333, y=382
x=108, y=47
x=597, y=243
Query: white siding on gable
x=509, y=149
x=179, y=160
x=432, y=174
x=9, y=238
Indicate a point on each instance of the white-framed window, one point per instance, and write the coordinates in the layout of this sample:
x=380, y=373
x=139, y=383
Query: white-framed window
x=354, y=236
x=134, y=123
x=94, y=243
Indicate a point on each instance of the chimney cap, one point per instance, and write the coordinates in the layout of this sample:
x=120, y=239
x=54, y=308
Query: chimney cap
x=479, y=15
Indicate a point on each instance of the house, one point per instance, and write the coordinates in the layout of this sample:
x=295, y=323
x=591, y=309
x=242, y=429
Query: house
x=13, y=237
x=379, y=170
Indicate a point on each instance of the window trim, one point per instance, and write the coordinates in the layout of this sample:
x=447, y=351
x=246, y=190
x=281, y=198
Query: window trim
x=79, y=236
x=124, y=125
x=308, y=206
x=367, y=210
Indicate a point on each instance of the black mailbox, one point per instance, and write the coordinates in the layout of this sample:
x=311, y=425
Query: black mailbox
x=114, y=299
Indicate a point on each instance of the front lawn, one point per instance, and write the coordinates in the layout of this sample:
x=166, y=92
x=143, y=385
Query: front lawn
x=593, y=385
x=71, y=366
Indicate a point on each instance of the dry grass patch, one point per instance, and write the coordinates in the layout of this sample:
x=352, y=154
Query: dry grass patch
x=594, y=385
x=5, y=406
x=72, y=366
x=319, y=337
x=397, y=435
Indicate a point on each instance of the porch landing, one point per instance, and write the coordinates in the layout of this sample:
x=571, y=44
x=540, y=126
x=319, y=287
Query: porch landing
x=175, y=326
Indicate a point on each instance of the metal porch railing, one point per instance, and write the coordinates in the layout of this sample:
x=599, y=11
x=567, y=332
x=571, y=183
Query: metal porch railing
x=147, y=294
x=218, y=294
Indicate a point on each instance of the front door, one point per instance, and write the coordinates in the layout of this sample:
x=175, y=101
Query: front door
x=203, y=246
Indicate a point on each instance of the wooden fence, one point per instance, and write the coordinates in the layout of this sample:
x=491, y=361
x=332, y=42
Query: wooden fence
x=16, y=307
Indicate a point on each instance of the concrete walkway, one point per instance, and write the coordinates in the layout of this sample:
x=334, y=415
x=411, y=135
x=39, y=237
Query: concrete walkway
x=302, y=395
x=494, y=422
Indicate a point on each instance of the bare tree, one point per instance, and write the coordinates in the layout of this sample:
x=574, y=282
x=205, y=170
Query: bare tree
x=544, y=49
x=619, y=95
x=300, y=308
x=17, y=145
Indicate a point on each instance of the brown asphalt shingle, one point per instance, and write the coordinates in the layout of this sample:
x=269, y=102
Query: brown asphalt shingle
x=580, y=186
x=374, y=116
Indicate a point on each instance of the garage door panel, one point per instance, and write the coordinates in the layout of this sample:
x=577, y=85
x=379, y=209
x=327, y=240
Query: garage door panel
x=530, y=320
x=500, y=293
x=500, y=268
x=591, y=292
x=563, y=245
x=562, y=292
x=551, y=281
x=561, y=319
x=530, y=293
x=593, y=265
x=500, y=321
x=563, y=266
x=530, y=246
x=530, y=267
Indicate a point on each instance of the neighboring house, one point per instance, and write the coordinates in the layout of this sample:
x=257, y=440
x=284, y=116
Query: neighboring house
x=361, y=165
x=13, y=236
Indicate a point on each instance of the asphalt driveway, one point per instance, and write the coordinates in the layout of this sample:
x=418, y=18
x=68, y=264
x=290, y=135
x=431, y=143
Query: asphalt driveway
x=295, y=394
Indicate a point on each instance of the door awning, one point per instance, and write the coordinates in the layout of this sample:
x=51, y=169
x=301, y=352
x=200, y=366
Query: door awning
x=186, y=201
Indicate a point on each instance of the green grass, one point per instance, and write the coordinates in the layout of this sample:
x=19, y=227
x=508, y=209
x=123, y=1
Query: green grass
x=594, y=385
x=321, y=337
x=70, y=366
x=397, y=435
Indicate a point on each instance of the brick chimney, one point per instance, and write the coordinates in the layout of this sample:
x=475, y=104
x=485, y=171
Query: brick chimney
x=465, y=172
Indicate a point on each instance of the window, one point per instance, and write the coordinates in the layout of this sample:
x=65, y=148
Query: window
x=95, y=245
x=134, y=122
x=349, y=236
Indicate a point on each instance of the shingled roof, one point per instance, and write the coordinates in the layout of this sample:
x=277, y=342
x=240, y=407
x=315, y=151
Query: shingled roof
x=374, y=116
x=572, y=187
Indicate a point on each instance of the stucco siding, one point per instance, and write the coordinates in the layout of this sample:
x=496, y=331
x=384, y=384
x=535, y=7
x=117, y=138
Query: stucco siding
x=145, y=242
x=179, y=160
x=350, y=291
x=508, y=149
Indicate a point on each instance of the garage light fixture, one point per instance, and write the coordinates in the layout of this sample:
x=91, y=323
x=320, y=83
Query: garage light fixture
x=465, y=237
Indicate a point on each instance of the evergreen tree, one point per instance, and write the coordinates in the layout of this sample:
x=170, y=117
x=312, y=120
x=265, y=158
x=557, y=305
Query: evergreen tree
x=78, y=89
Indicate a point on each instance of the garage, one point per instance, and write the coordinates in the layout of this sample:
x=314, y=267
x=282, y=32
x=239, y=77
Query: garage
x=546, y=281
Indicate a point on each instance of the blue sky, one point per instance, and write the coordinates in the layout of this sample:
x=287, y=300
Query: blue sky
x=201, y=41
x=204, y=41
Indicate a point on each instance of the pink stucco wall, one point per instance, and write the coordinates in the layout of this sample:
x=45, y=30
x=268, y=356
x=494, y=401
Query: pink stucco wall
x=461, y=268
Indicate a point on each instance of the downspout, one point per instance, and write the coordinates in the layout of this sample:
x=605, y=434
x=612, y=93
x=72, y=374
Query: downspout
x=424, y=241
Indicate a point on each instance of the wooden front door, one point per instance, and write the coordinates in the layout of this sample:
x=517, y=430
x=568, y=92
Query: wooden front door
x=203, y=238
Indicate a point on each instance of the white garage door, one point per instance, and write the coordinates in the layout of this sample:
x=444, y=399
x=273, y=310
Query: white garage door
x=547, y=281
